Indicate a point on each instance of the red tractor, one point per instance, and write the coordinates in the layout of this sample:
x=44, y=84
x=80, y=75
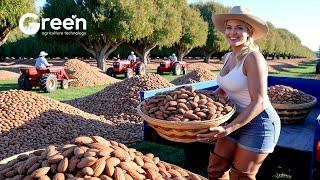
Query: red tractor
x=45, y=78
x=127, y=68
x=172, y=66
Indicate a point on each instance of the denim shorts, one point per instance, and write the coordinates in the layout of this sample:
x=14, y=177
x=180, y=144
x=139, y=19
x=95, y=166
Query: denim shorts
x=261, y=134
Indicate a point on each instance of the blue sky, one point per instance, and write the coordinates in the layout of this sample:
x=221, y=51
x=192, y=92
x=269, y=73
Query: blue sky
x=301, y=17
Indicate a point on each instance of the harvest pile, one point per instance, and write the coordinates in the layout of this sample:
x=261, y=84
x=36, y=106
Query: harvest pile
x=185, y=104
x=281, y=94
x=87, y=75
x=197, y=75
x=202, y=65
x=118, y=102
x=30, y=121
x=8, y=75
x=91, y=158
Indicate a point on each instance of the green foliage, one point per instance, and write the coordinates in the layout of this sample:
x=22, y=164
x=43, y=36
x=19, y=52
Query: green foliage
x=109, y=23
x=167, y=23
x=10, y=12
x=216, y=42
x=267, y=44
x=166, y=28
x=195, y=29
x=20, y=45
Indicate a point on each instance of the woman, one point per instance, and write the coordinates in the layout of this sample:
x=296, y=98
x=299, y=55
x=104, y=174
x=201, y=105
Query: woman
x=243, y=144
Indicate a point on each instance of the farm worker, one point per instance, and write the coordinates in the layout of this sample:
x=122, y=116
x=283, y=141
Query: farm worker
x=132, y=57
x=244, y=143
x=173, y=57
x=41, y=61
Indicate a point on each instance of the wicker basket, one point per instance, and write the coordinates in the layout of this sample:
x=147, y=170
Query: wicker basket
x=184, y=132
x=294, y=113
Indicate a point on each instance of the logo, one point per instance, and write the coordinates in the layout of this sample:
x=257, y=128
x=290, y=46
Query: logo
x=67, y=26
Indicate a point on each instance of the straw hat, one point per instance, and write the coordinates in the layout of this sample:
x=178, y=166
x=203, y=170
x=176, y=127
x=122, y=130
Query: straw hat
x=42, y=53
x=241, y=13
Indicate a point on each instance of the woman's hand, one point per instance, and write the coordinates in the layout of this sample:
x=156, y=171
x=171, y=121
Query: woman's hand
x=213, y=134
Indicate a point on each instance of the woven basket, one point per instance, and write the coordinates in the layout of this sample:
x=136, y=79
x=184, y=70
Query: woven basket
x=294, y=113
x=184, y=132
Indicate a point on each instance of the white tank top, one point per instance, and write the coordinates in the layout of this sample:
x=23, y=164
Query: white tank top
x=235, y=84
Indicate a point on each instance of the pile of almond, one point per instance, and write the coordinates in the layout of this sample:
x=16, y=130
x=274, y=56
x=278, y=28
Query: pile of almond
x=185, y=104
x=86, y=75
x=8, y=75
x=281, y=94
x=118, y=102
x=91, y=158
x=194, y=76
x=30, y=121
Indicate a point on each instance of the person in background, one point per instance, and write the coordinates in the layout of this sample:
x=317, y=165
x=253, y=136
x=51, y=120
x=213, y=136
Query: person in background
x=244, y=143
x=132, y=57
x=41, y=61
x=173, y=57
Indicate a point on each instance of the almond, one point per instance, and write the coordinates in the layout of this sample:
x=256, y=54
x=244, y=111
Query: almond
x=119, y=174
x=55, y=159
x=40, y=172
x=101, y=140
x=58, y=176
x=63, y=165
x=82, y=140
x=87, y=171
x=99, y=166
x=86, y=161
x=181, y=171
x=72, y=164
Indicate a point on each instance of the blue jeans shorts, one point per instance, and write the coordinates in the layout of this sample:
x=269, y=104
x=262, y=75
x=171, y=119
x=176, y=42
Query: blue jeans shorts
x=261, y=134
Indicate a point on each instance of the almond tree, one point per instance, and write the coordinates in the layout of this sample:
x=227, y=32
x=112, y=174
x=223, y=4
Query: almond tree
x=194, y=32
x=10, y=13
x=166, y=28
x=109, y=23
x=216, y=42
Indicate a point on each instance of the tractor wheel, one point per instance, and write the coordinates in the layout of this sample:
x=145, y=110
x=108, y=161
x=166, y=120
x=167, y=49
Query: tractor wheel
x=129, y=73
x=176, y=69
x=48, y=82
x=64, y=84
x=23, y=82
x=141, y=69
x=184, y=70
x=110, y=72
x=158, y=71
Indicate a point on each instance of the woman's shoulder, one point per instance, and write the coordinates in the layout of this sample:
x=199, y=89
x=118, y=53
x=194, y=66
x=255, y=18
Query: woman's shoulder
x=255, y=56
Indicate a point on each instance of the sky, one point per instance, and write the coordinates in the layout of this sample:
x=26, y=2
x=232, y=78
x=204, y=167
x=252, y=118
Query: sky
x=301, y=17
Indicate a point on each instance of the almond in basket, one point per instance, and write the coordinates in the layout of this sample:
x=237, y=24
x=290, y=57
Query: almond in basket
x=281, y=94
x=185, y=104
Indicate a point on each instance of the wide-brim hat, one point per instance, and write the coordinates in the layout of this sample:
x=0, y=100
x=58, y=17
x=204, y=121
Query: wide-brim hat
x=42, y=53
x=260, y=27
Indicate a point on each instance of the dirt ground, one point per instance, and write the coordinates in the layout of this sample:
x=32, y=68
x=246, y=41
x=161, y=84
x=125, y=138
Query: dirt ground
x=13, y=65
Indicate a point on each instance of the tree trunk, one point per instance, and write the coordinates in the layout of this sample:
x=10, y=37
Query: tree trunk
x=207, y=56
x=100, y=57
x=4, y=34
x=182, y=53
x=143, y=51
x=146, y=55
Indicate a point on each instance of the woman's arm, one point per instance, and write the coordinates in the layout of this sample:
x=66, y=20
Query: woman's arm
x=256, y=71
